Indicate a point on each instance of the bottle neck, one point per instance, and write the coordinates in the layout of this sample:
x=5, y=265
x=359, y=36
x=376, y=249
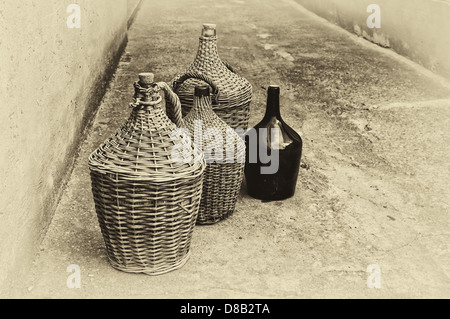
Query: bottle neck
x=202, y=103
x=148, y=118
x=207, y=51
x=147, y=96
x=273, y=103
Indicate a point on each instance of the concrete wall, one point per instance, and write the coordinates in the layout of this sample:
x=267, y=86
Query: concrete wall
x=133, y=8
x=417, y=29
x=52, y=79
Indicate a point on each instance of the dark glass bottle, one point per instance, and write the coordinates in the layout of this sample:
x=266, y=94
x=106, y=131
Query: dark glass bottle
x=272, y=160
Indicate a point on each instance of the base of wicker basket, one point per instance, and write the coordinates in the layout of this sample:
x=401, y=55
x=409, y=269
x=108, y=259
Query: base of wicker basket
x=209, y=222
x=221, y=187
x=152, y=272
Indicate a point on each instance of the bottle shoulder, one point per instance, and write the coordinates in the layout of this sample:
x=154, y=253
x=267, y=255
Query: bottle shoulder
x=287, y=133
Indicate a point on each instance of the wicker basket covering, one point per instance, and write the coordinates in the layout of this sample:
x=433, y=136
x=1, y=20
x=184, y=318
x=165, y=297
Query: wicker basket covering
x=146, y=202
x=224, y=152
x=233, y=105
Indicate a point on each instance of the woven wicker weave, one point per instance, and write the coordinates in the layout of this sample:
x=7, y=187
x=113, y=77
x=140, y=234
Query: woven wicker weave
x=224, y=170
x=146, y=202
x=233, y=105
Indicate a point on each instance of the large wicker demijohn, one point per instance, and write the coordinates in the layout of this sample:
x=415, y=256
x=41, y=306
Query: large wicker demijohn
x=233, y=105
x=146, y=201
x=224, y=152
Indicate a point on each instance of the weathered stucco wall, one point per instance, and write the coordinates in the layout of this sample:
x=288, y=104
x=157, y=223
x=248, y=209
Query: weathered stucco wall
x=417, y=29
x=52, y=78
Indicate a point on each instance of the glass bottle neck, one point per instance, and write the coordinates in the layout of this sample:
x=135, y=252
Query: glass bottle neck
x=273, y=103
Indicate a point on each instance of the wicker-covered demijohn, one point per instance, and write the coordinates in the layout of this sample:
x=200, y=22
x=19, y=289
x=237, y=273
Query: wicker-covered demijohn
x=146, y=201
x=224, y=152
x=233, y=105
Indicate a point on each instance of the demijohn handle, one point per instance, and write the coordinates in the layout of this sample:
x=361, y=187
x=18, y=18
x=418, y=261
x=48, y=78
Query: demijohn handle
x=173, y=101
x=199, y=76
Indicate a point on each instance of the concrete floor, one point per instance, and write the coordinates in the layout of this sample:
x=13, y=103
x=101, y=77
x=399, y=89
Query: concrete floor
x=373, y=187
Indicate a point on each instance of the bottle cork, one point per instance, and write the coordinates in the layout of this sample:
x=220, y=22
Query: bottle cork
x=202, y=90
x=146, y=78
x=209, y=30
